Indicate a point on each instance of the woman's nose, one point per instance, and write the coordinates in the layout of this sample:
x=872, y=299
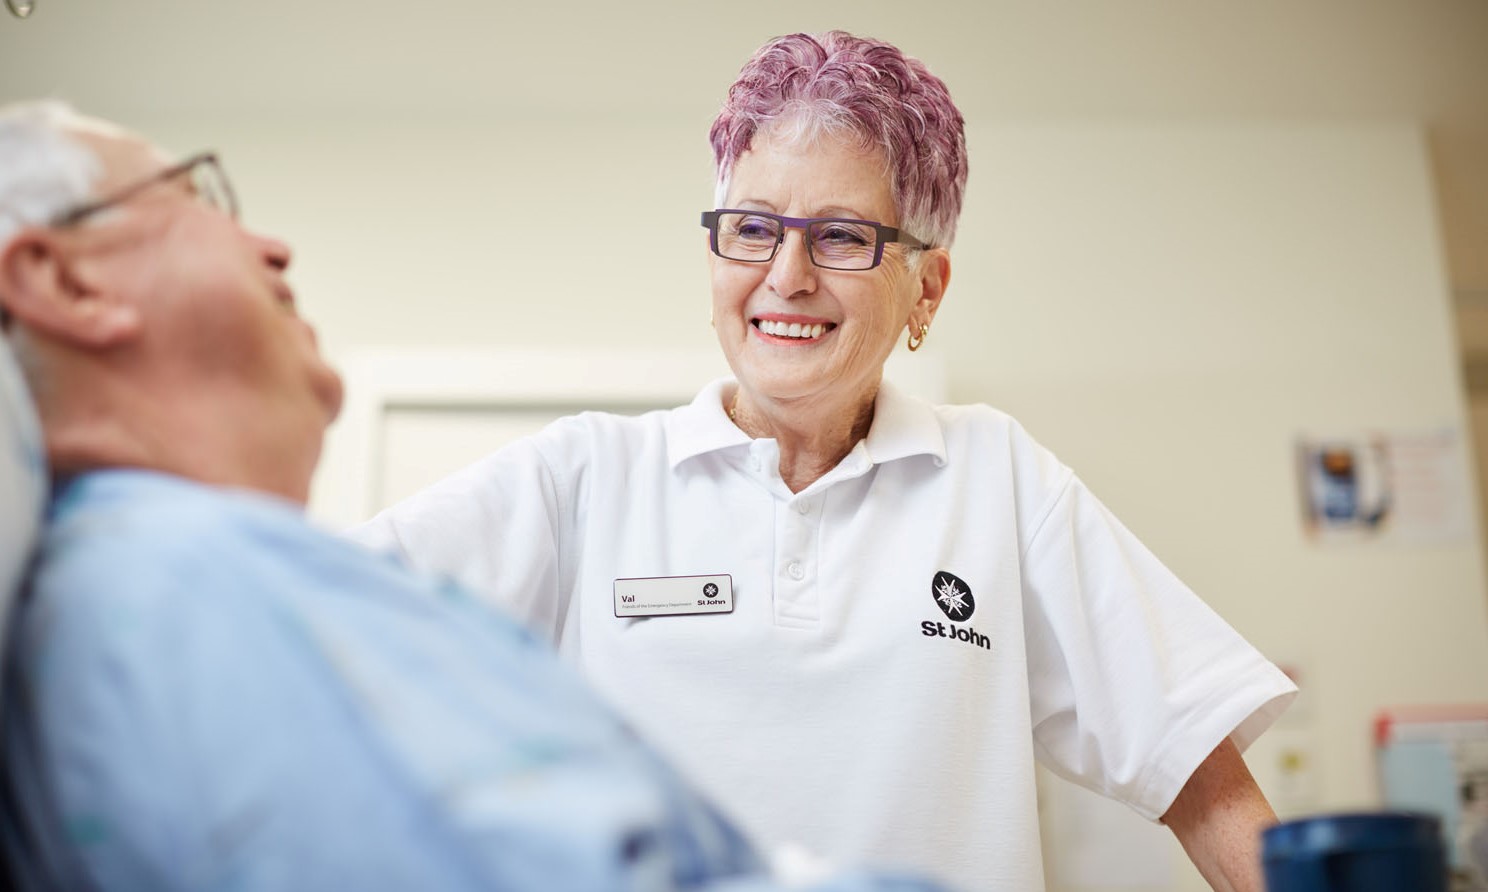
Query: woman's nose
x=792, y=272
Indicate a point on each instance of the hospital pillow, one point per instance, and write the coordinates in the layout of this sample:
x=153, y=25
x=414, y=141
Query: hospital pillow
x=23, y=481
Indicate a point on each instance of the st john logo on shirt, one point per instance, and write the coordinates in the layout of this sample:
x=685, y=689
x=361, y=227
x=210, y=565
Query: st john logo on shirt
x=953, y=596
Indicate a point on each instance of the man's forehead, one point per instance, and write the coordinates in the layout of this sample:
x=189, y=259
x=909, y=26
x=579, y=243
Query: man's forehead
x=125, y=157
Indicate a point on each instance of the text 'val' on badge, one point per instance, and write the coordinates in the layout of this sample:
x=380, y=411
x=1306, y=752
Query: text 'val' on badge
x=674, y=595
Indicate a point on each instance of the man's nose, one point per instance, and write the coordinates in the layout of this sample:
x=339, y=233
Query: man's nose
x=275, y=253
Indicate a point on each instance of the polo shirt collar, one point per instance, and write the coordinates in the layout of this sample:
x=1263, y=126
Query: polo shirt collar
x=702, y=426
x=903, y=426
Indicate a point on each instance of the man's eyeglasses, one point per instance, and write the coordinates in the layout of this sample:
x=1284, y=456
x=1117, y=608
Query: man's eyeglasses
x=831, y=242
x=208, y=183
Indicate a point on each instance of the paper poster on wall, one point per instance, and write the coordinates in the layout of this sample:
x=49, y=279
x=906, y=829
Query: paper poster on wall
x=1400, y=486
x=1435, y=760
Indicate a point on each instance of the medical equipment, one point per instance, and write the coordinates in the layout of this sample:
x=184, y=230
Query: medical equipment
x=23, y=481
x=23, y=489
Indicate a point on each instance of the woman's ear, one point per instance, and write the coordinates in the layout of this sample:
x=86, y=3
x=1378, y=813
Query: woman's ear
x=40, y=289
x=935, y=277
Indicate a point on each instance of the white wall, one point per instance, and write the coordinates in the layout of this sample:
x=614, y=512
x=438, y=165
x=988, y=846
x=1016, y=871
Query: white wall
x=1166, y=304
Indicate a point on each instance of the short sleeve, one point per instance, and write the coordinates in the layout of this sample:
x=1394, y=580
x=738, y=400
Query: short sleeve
x=496, y=527
x=1133, y=679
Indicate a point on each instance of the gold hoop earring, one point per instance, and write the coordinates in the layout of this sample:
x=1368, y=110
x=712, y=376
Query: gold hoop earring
x=914, y=341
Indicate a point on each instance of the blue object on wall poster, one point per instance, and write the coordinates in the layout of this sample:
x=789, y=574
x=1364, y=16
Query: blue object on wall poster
x=1339, y=483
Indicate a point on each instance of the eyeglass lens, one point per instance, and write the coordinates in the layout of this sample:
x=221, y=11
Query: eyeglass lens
x=836, y=244
x=211, y=188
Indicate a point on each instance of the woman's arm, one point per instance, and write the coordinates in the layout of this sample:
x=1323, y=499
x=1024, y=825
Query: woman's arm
x=1218, y=817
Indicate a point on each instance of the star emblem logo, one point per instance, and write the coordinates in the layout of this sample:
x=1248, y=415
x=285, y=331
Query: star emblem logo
x=953, y=596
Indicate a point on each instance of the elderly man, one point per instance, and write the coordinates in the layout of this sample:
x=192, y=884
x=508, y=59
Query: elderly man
x=203, y=690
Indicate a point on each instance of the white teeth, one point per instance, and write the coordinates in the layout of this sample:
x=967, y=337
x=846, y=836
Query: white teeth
x=792, y=329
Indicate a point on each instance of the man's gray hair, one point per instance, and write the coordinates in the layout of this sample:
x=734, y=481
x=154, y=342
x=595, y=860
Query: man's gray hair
x=44, y=171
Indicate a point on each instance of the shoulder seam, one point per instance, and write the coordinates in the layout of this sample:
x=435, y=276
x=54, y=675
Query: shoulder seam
x=1038, y=527
x=562, y=489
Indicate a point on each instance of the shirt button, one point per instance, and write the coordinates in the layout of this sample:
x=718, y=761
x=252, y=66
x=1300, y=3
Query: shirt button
x=803, y=507
x=754, y=462
x=795, y=570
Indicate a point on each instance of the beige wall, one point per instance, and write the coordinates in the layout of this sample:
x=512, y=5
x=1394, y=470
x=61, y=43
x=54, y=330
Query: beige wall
x=1166, y=304
x=1478, y=413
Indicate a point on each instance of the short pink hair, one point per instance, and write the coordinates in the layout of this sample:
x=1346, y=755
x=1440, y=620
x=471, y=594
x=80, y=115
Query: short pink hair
x=835, y=82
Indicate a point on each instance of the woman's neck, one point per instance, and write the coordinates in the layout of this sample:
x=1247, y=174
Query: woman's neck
x=812, y=441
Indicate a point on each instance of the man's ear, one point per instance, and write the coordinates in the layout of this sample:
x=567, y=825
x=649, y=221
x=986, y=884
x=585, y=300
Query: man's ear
x=40, y=288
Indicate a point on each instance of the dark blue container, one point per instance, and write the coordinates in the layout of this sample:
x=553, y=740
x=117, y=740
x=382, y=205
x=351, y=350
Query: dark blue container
x=1373, y=852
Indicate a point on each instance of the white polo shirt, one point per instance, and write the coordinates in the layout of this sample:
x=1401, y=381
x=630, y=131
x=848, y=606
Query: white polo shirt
x=909, y=633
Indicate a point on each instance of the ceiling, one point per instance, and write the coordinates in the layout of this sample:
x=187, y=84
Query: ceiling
x=1426, y=58
x=1421, y=59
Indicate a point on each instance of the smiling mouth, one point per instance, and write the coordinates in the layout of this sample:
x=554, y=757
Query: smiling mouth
x=795, y=330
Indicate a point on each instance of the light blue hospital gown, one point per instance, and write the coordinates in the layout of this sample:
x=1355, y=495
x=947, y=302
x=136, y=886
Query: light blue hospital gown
x=205, y=692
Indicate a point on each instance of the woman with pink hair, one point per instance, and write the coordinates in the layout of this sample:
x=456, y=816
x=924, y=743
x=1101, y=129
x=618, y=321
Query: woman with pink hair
x=856, y=618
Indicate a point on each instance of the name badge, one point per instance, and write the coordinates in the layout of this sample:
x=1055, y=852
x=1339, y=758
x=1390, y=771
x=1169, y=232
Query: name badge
x=674, y=595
